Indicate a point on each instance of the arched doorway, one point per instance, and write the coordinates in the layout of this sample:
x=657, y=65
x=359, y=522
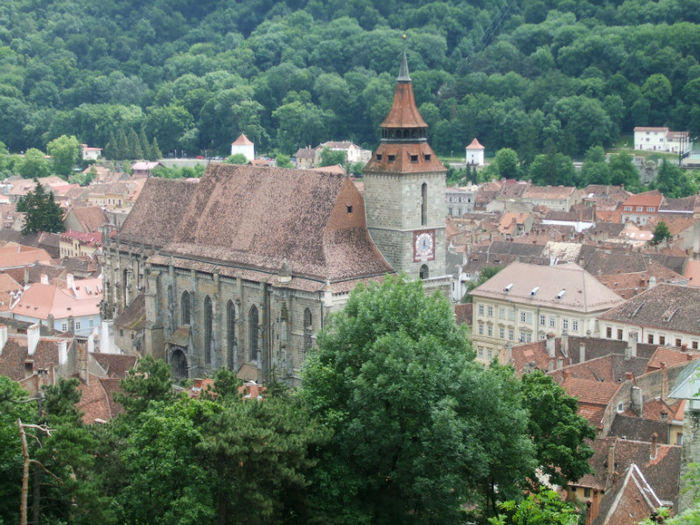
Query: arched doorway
x=178, y=362
x=424, y=272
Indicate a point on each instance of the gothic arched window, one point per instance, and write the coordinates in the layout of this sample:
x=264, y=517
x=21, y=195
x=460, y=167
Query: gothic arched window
x=230, y=333
x=424, y=204
x=308, y=329
x=207, y=329
x=185, y=308
x=253, y=332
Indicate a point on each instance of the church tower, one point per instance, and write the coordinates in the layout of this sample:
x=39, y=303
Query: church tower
x=405, y=190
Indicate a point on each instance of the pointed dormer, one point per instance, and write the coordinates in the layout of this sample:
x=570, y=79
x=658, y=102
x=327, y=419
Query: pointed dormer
x=404, y=145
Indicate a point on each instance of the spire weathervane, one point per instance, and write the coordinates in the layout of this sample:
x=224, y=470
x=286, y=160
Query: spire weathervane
x=403, y=70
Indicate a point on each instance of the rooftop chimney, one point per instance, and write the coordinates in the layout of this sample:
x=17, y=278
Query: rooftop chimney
x=631, y=350
x=3, y=337
x=582, y=352
x=44, y=279
x=33, y=335
x=611, y=458
x=62, y=352
x=550, y=345
x=637, y=403
x=652, y=282
x=565, y=344
x=654, y=445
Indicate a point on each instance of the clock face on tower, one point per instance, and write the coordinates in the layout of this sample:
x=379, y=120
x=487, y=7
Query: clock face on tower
x=423, y=245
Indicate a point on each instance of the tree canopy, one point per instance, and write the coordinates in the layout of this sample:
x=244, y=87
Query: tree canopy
x=42, y=212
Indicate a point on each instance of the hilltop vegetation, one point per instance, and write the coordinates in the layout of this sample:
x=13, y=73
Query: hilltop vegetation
x=193, y=75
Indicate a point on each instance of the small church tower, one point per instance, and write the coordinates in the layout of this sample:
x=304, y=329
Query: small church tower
x=405, y=190
x=244, y=146
x=475, y=153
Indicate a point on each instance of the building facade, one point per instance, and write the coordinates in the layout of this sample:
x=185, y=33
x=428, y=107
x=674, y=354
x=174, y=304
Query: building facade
x=526, y=302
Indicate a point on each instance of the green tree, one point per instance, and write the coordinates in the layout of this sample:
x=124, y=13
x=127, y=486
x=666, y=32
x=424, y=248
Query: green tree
x=148, y=381
x=35, y=165
x=238, y=158
x=42, y=213
x=674, y=182
x=623, y=172
x=121, y=149
x=145, y=146
x=552, y=169
x=14, y=404
x=545, y=507
x=595, y=169
x=661, y=233
x=283, y=161
x=557, y=430
x=507, y=163
x=394, y=378
x=154, y=151
x=331, y=157
x=65, y=152
x=134, y=145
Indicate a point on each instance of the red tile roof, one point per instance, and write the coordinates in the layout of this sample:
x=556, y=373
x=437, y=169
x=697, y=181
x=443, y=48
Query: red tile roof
x=475, y=144
x=242, y=140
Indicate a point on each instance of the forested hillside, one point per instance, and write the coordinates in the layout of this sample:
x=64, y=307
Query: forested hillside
x=515, y=73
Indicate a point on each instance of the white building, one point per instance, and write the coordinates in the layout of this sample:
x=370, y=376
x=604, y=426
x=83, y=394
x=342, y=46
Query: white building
x=88, y=153
x=525, y=302
x=244, y=146
x=660, y=139
x=475, y=153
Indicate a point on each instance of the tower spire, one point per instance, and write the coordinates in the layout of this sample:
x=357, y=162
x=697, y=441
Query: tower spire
x=403, y=70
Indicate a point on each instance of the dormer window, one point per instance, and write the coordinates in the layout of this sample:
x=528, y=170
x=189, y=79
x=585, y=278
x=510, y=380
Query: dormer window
x=391, y=158
x=414, y=158
x=426, y=156
x=349, y=208
x=379, y=156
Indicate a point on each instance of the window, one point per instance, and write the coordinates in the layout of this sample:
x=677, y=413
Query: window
x=694, y=345
x=414, y=158
x=231, y=334
x=64, y=327
x=525, y=336
x=208, y=324
x=185, y=308
x=608, y=332
x=253, y=333
x=522, y=317
x=391, y=158
x=511, y=314
x=543, y=320
x=620, y=407
x=77, y=325
x=379, y=156
x=640, y=208
x=481, y=309
x=501, y=332
x=489, y=330
x=481, y=352
x=628, y=208
x=348, y=208
x=619, y=334
x=490, y=311
x=308, y=328
x=650, y=209
x=426, y=156
x=662, y=340
x=679, y=438
x=424, y=204
x=552, y=322
x=424, y=273
x=511, y=334
x=490, y=354
x=650, y=339
x=678, y=342
x=564, y=324
x=501, y=313
x=574, y=325
x=586, y=492
x=481, y=328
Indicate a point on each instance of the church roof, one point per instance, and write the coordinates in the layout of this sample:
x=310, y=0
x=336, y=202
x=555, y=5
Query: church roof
x=256, y=218
x=404, y=113
x=157, y=211
x=242, y=141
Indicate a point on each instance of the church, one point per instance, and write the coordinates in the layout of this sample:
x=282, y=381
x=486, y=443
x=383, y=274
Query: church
x=242, y=269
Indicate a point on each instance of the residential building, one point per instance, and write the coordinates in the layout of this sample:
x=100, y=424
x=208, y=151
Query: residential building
x=664, y=315
x=144, y=168
x=86, y=219
x=74, y=308
x=641, y=207
x=353, y=152
x=525, y=302
x=90, y=153
x=460, y=200
x=79, y=244
x=560, y=198
x=659, y=139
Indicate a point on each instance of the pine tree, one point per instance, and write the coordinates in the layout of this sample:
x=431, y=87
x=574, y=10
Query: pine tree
x=42, y=213
x=111, y=147
x=145, y=146
x=122, y=149
x=135, y=151
x=155, y=151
